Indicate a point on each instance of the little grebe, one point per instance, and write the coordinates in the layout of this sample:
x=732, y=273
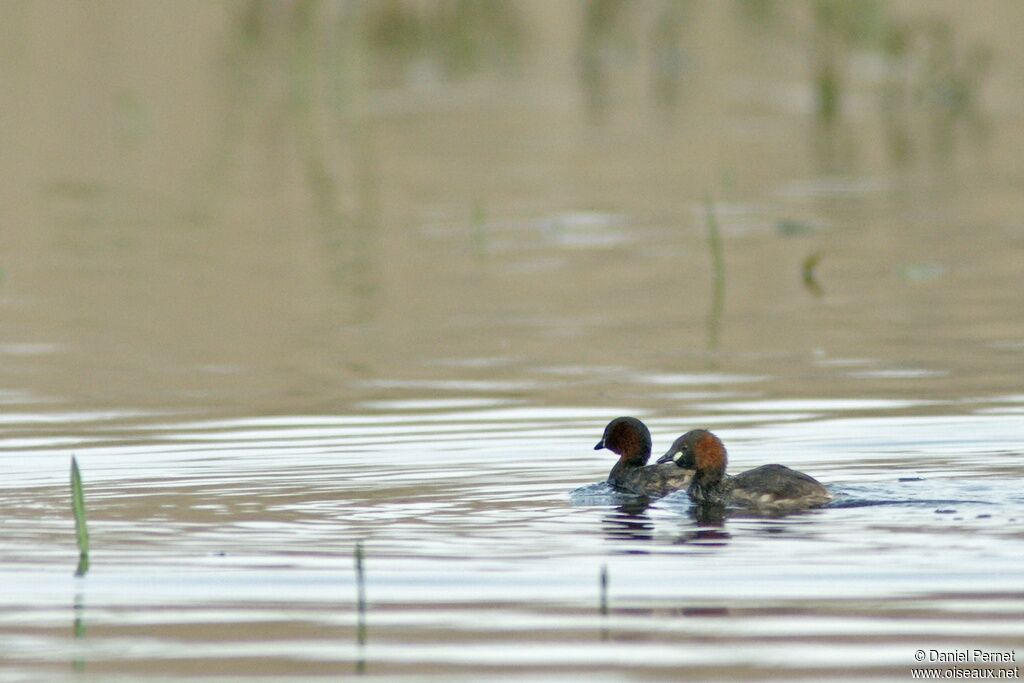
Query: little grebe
x=630, y=439
x=768, y=487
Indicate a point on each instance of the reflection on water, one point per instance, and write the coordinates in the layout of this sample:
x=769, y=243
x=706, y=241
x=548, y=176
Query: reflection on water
x=330, y=301
x=78, y=628
x=360, y=609
x=629, y=523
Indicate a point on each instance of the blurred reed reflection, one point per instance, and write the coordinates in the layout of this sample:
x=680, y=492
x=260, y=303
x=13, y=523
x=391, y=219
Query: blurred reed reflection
x=301, y=72
x=78, y=629
x=618, y=38
x=446, y=39
x=927, y=89
x=297, y=73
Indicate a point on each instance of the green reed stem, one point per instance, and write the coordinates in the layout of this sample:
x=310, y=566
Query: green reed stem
x=78, y=508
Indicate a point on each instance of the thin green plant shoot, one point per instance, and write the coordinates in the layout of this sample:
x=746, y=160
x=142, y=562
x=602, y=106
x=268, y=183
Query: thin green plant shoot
x=81, y=529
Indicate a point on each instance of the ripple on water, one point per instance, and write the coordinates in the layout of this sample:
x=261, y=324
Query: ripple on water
x=488, y=524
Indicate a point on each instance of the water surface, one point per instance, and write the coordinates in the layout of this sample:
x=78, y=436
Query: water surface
x=287, y=278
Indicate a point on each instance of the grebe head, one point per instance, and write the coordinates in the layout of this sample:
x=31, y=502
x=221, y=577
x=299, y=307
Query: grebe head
x=628, y=438
x=699, y=450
